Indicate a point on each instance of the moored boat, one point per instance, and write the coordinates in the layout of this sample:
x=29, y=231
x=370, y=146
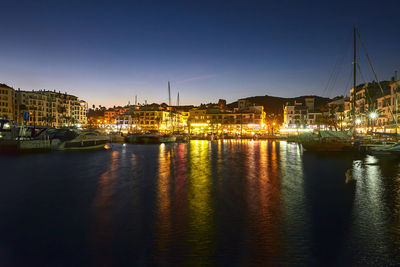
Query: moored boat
x=68, y=139
x=326, y=141
x=167, y=139
x=143, y=139
x=14, y=138
x=117, y=138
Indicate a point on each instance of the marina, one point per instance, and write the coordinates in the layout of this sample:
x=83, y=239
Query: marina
x=199, y=133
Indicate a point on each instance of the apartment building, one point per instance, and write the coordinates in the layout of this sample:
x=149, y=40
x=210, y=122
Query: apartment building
x=50, y=108
x=150, y=117
x=7, y=99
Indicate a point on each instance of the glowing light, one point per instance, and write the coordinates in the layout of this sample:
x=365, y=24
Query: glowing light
x=107, y=147
x=373, y=115
x=295, y=130
x=358, y=121
x=199, y=124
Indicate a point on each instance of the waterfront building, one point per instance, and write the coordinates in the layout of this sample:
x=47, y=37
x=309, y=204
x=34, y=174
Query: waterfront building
x=153, y=117
x=7, y=99
x=387, y=108
x=370, y=100
x=295, y=114
x=337, y=111
x=209, y=118
x=50, y=108
x=111, y=113
x=246, y=119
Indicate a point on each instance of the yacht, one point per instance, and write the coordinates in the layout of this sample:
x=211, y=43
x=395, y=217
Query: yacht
x=143, y=138
x=71, y=139
x=16, y=138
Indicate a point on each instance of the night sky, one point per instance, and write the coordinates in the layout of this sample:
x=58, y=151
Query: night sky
x=108, y=52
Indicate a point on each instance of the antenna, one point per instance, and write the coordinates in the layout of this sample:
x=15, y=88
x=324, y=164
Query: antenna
x=135, y=100
x=169, y=94
x=177, y=102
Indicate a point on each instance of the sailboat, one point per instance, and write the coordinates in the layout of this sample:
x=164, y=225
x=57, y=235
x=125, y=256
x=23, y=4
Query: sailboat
x=169, y=138
x=333, y=140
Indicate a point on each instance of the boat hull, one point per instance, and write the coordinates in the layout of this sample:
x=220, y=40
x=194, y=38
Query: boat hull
x=327, y=146
x=167, y=139
x=143, y=139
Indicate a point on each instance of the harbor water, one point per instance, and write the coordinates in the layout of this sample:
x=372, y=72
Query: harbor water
x=229, y=203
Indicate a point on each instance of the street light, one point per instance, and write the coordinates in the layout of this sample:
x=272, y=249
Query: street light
x=358, y=121
x=373, y=115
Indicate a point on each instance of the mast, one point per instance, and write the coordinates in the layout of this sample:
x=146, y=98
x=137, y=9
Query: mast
x=355, y=74
x=169, y=94
x=169, y=104
x=177, y=102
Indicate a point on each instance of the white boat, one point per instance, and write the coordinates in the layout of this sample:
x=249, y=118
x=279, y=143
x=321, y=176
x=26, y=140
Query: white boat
x=67, y=139
x=14, y=138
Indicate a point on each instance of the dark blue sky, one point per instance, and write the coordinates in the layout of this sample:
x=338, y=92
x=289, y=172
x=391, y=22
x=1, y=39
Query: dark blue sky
x=108, y=52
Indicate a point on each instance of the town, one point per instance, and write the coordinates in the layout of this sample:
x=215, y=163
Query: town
x=375, y=109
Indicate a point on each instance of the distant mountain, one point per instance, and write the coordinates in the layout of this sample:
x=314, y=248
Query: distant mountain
x=274, y=105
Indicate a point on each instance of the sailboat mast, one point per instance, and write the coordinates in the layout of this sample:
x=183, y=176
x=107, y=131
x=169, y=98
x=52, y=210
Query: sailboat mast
x=169, y=94
x=355, y=74
x=169, y=103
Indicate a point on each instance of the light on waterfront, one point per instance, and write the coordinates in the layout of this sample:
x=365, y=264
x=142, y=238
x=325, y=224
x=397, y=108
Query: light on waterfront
x=373, y=115
x=358, y=121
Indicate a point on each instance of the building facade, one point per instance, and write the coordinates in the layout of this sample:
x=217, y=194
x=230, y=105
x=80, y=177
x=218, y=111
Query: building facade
x=7, y=102
x=50, y=108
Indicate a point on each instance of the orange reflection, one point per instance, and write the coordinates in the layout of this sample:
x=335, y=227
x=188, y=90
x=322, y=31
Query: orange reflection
x=102, y=206
x=264, y=204
x=164, y=206
x=179, y=201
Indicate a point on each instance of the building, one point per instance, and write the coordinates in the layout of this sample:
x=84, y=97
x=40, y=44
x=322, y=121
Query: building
x=150, y=118
x=387, y=108
x=111, y=113
x=50, y=108
x=7, y=102
x=370, y=98
x=247, y=118
x=295, y=114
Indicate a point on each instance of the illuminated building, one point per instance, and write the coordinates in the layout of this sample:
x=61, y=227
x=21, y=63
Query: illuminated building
x=369, y=98
x=151, y=118
x=110, y=114
x=301, y=114
x=216, y=119
x=50, y=108
x=7, y=98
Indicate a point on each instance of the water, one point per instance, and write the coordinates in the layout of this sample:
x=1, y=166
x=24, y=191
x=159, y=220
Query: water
x=226, y=203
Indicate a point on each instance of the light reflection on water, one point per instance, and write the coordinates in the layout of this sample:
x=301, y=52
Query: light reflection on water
x=102, y=209
x=227, y=202
x=200, y=242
